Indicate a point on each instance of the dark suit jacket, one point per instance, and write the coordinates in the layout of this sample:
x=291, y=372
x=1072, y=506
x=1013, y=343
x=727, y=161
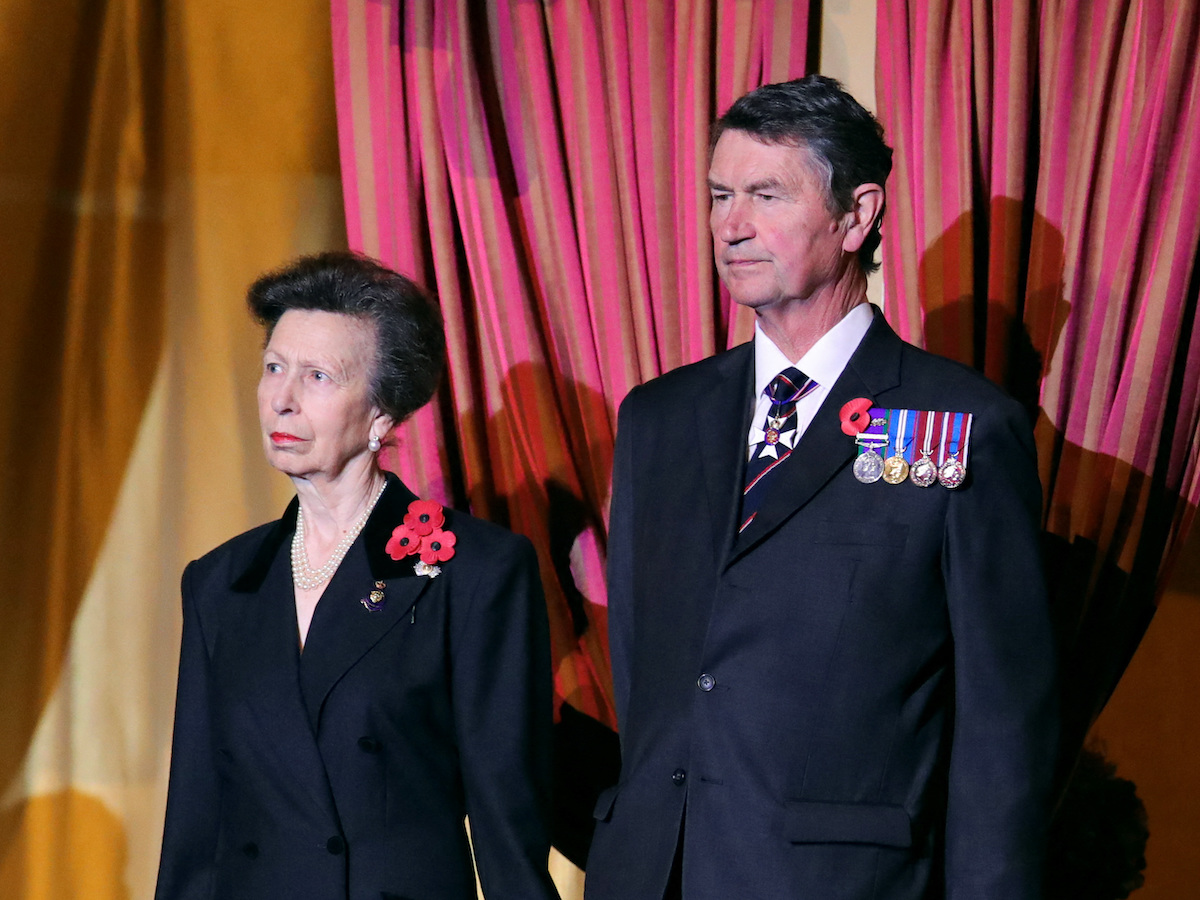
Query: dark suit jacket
x=346, y=771
x=877, y=719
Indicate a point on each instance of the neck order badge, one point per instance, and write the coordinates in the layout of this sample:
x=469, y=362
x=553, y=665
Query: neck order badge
x=778, y=431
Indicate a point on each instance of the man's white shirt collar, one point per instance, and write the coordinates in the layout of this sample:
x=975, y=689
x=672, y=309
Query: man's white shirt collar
x=825, y=360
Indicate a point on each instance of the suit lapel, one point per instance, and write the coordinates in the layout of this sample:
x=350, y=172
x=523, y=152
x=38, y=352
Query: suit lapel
x=262, y=655
x=825, y=449
x=342, y=628
x=721, y=439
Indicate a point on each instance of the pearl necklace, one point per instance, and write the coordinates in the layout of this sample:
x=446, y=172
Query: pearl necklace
x=304, y=576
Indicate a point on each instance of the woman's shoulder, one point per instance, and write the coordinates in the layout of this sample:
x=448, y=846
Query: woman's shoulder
x=227, y=562
x=480, y=535
x=405, y=528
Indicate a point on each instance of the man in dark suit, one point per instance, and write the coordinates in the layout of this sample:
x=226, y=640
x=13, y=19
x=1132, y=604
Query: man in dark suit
x=831, y=647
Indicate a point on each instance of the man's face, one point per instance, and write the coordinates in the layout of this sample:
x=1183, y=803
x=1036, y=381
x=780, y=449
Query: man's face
x=774, y=239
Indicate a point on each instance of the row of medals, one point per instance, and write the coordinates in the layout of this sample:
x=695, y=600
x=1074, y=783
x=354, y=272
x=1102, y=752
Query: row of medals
x=870, y=467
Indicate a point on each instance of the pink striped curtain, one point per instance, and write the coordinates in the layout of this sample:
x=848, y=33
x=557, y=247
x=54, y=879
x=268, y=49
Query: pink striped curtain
x=543, y=166
x=1044, y=225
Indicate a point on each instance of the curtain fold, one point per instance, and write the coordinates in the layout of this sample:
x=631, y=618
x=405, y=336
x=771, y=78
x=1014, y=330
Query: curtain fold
x=1044, y=226
x=81, y=326
x=77, y=372
x=543, y=167
x=155, y=159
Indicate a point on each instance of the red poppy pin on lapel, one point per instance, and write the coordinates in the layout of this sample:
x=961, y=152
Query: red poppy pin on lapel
x=856, y=416
x=421, y=533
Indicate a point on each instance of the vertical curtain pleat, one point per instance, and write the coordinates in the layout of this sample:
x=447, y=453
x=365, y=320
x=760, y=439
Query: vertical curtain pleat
x=81, y=322
x=155, y=158
x=82, y=331
x=1044, y=226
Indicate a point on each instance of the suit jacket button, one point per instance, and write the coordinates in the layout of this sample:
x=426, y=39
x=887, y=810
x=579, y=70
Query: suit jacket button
x=250, y=849
x=679, y=776
x=369, y=745
x=335, y=845
x=706, y=682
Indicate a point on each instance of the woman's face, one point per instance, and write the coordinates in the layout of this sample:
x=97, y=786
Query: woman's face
x=314, y=394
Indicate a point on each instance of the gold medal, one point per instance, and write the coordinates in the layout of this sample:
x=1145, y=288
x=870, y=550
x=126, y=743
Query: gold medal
x=895, y=467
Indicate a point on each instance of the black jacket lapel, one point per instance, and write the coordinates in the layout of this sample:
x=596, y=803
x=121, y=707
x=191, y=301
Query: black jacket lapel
x=260, y=650
x=721, y=440
x=825, y=449
x=343, y=629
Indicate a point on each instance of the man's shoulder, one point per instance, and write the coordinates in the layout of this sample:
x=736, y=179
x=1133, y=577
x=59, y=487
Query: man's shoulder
x=929, y=381
x=692, y=379
x=944, y=383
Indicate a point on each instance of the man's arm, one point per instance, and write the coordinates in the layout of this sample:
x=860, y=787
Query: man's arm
x=620, y=562
x=1005, y=704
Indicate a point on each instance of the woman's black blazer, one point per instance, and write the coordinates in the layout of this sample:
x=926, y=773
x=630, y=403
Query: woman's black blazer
x=346, y=771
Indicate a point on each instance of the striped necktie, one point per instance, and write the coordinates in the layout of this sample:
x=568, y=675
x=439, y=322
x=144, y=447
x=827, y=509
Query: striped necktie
x=777, y=440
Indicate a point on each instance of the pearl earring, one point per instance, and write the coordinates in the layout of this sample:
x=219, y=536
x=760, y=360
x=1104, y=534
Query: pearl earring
x=373, y=444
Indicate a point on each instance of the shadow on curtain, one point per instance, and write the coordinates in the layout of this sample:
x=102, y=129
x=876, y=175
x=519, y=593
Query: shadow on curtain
x=1047, y=189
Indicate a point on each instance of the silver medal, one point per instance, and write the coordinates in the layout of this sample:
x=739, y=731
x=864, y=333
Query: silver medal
x=923, y=472
x=952, y=473
x=868, y=467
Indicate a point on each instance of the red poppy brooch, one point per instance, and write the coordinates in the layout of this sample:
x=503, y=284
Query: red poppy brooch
x=856, y=416
x=421, y=534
